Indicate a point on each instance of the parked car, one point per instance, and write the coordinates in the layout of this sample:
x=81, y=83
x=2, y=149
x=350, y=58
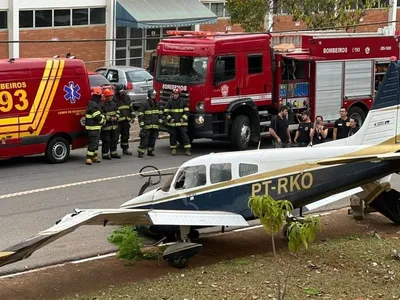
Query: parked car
x=139, y=77
x=97, y=80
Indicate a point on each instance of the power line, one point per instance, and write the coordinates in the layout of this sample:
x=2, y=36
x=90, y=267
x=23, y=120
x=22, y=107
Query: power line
x=177, y=37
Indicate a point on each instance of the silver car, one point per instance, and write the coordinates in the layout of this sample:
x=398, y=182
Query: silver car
x=140, y=78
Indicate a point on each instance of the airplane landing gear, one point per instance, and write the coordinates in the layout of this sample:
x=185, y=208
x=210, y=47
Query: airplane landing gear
x=177, y=255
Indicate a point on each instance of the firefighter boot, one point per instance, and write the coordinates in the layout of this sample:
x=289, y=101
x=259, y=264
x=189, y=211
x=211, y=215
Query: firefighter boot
x=150, y=153
x=173, y=152
x=88, y=161
x=187, y=152
x=96, y=159
x=140, y=154
x=107, y=156
x=127, y=152
x=115, y=155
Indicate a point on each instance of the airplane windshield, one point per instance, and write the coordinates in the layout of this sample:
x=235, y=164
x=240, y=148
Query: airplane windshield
x=167, y=184
x=190, y=177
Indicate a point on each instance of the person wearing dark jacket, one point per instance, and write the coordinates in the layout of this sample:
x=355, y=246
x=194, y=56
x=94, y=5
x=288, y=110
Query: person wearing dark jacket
x=127, y=115
x=150, y=118
x=94, y=119
x=109, y=132
x=176, y=116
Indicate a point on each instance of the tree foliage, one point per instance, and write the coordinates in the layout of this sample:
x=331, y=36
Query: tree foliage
x=249, y=14
x=317, y=14
x=314, y=14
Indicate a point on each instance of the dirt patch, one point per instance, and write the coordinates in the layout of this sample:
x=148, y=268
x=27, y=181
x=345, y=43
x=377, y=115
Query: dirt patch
x=89, y=277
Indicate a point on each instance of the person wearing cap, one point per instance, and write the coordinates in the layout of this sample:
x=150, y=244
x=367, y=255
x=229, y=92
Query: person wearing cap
x=150, y=118
x=109, y=132
x=94, y=119
x=176, y=116
x=303, y=133
x=127, y=115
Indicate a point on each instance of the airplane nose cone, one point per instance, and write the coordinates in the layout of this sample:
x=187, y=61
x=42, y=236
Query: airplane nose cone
x=141, y=200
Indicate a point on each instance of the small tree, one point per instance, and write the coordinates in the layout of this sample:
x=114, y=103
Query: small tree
x=249, y=14
x=273, y=214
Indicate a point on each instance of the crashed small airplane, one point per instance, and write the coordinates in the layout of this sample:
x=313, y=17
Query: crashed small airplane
x=213, y=190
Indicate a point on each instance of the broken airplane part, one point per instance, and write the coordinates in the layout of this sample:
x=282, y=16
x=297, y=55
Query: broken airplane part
x=213, y=190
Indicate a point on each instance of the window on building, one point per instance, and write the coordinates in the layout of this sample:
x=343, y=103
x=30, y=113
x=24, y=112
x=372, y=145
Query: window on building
x=218, y=9
x=3, y=20
x=62, y=17
x=254, y=62
x=153, y=38
x=26, y=18
x=225, y=68
x=97, y=16
x=80, y=17
x=220, y=172
x=247, y=169
x=43, y=18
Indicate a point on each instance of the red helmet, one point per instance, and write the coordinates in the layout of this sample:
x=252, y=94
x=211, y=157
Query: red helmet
x=108, y=93
x=96, y=91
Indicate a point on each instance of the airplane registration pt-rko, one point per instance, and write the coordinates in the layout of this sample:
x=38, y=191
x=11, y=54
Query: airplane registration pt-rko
x=213, y=190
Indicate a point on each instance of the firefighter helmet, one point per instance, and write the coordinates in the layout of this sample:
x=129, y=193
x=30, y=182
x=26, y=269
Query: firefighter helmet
x=96, y=91
x=151, y=92
x=108, y=93
x=119, y=87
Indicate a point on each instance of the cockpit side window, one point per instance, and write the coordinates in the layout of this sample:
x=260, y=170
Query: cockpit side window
x=220, y=172
x=191, y=177
x=247, y=169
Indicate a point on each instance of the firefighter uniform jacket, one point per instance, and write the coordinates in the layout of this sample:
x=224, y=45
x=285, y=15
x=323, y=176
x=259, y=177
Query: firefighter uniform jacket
x=125, y=107
x=94, y=117
x=176, y=110
x=150, y=115
x=110, y=110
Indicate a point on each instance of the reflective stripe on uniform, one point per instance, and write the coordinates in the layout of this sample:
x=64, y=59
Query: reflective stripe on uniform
x=177, y=124
x=151, y=127
x=151, y=112
x=123, y=107
x=175, y=110
x=90, y=153
x=98, y=127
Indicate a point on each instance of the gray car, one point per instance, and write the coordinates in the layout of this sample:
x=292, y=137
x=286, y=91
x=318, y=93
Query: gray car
x=140, y=78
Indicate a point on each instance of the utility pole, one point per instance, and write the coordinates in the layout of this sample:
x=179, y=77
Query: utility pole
x=392, y=16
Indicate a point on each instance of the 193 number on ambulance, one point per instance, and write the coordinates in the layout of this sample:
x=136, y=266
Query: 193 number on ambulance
x=9, y=101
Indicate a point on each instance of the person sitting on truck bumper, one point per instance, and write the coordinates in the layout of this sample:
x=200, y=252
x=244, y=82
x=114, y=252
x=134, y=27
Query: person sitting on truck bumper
x=94, y=119
x=176, y=115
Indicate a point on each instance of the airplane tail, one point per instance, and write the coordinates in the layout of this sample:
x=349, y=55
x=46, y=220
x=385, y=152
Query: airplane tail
x=382, y=124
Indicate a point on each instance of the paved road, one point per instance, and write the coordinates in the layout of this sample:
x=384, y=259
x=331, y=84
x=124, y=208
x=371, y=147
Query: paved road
x=34, y=194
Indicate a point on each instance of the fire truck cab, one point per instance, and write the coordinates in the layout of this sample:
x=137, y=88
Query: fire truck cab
x=42, y=107
x=235, y=83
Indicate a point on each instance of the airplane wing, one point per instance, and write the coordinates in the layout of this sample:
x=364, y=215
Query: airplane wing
x=120, y=216
x=359, y=158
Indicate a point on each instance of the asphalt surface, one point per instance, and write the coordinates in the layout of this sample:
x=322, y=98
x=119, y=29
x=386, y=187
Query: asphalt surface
x=34, y=195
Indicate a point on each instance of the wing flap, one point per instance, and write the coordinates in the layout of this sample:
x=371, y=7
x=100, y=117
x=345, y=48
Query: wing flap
x=121, y=216
x=360, y=158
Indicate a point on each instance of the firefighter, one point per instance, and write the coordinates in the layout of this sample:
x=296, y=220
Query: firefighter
x=150, y=118
x=109, y=132
x=94, y=119
x=127, y=115
x=176, y=117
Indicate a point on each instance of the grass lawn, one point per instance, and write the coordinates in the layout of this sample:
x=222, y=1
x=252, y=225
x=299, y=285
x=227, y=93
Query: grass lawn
x=354, y=267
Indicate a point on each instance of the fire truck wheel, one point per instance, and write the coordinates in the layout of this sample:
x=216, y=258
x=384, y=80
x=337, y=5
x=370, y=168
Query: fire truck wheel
x=358, y=114
x=57, y=150
x=240, y=132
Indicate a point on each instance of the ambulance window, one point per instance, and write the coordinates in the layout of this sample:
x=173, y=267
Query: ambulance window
x=220, y=173
x=191, y=177
x=254, y=63
x=247, y=169
x=225, y=68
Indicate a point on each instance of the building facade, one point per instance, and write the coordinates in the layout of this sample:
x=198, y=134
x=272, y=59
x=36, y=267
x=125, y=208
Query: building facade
x=100, y=32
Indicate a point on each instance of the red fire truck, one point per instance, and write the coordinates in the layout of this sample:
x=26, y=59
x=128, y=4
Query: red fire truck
x=42, y=107
x=236, y=82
